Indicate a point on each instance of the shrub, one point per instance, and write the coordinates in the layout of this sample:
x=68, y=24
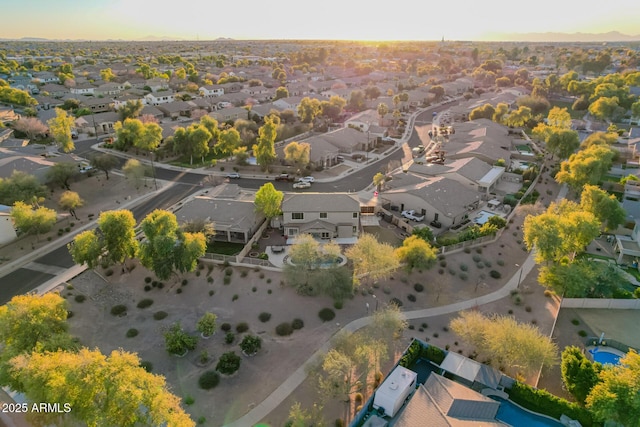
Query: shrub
x=411, y=297
x=386, y=290
x=108, y=273
x=146, y=365
x=229, y=338
x=179, y=291
x=339, y=422
x=582, y=333
x=185, y=282
x=337, y=305
x=326, y=314
x=500, y=262
x=244, y=273
x=228, y=271
x=132, y=333
x=201, y=420
x=80, y=298
x=250, y=344
x=159, y=315
x=234, y=297
x=145, y=303
x=208, y=380
x=211, y=292
x=434, y=354
x=264, y=317
x=487, y=264
x=527, y=308
x=575, y=322
x=452, y=272
x=160, y=285
x=207, y=324
x=425, y=325
x=418, y=287
x=443, y=263
x=119, y=310
x=284, y=329
x=476, y=258
x=254, y=289
x=226, y=280
x=69, y=314
x=228, y=363
x=226, y=327
x=464, y=267
x=209, y=279
x=396, y=301
x=495, y=274
x=242, y=327
x=147, y=279
x=467, y=250
x=177, y=341
x=463, y=276
x=480, y=266
x=147, y=288
x=297, y=324
x=189, y=400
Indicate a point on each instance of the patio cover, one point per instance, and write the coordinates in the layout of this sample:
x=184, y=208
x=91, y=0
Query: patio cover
x=471, y=370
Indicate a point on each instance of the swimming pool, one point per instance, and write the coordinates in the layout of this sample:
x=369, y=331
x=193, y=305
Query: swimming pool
x=516, y=416
x=482, y=217
x=604, y=356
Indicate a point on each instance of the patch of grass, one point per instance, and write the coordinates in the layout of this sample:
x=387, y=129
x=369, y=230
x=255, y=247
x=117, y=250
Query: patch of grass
x=159, y=315
x=225, y=248
x=326, y=314
x=132, y=333
x=147, y=302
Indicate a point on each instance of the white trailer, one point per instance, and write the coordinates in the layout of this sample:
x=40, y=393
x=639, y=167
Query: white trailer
x=395, y=389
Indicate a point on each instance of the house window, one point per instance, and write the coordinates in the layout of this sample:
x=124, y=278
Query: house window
x=323, y=214
x=325, y=235
x=297, y=215
x=292, y=232
x=355, y=214
x=355, y=229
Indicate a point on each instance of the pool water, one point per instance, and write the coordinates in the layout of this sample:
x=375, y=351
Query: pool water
x=604, y=357
x=518, y=417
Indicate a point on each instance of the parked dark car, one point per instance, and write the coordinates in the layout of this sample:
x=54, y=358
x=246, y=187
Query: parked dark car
x=285, y=177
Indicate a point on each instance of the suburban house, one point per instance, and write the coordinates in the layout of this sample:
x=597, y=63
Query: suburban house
x=211, y=90
x=176, y=109
x=7, y=230
x=99, y=123
x=482, y=138
x=45, y=77
x=157, y=84
x=122, y=101
x=157, y=98
x=322, y=215
x=292, y=102
x=471, y=172
x=83, y=89
x=232, y=113
x=348, y=140
x=54, y=90
x=323, y=154
x=364, y=120
x=97, y=105
x=231, y=209
x=109, y=89
x=439, y=199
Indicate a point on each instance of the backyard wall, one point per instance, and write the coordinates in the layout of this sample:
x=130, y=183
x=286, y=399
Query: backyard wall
x=619, y=304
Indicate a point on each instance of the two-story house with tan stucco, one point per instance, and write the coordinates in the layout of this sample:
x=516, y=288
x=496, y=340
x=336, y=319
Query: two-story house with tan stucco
x=323, y=215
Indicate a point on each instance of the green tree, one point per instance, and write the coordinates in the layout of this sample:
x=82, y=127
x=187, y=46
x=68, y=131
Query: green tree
x=125, y=395
x=250, y=344
x=563, y=142
x=135, y=172
x=371, y=258
x=587, y=166
x=562, y=231
x=107, y=75
x=268, y=200
x=581, y=279
x=128, y=132
x=438, y=91
x=300, y=417
x=424, y=233
x=378, y=180
x=32, y=221
x=30, y=323
x=305, y=251
x=506, y=342
x=118, y=236
x=600, y=138
x=22, y=187
x=416, y=253
x=604, y=206
x=70, y=201
x=281, y=92
x=635, y=109
x=357, y=101
x=606, y=108
x=308, y=109
x=297, y=153
x=520, y=117
x=104, y=162
x=207, y=324
x=383, y=110
x=615, y=397
x=61, y=173
x=559, y=118
x=579, y=374
x=228, y=141
x=60, y=127
x=484, y=112
x=86, y=248
x=501, y=112
x=264, y=150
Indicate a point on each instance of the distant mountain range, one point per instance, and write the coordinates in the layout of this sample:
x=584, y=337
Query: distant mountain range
x=611, y=36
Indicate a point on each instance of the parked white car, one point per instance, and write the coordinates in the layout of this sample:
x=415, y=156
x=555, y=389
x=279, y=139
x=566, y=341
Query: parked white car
x=302, y=184
x=412, y=215
x=309, y=179
x=233, y=175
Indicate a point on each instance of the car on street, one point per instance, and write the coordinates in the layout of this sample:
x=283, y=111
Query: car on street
x=284, y=177
x=233, y=175
x=302, y=184
x=412, y=215
x=309, y=179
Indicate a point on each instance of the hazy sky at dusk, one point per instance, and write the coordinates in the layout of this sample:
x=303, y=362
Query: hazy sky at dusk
x=328, y=19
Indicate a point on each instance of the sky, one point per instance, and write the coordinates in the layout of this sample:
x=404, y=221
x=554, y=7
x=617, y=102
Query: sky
x=327, y=19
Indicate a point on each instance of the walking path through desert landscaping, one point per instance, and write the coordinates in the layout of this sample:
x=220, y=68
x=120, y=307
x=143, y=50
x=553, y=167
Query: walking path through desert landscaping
x=286, y=388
